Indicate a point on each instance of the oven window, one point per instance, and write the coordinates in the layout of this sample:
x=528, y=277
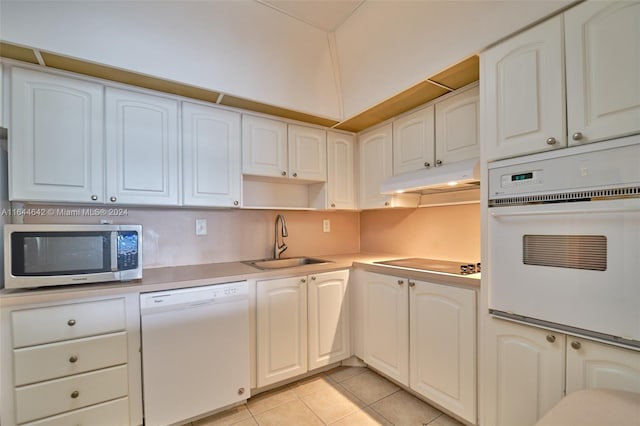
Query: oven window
x=566, y=251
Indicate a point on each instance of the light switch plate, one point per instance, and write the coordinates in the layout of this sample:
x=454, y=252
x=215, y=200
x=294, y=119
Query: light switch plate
x=326, y=225
x=201, y=226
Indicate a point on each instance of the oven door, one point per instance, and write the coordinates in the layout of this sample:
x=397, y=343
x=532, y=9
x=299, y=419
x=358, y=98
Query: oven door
x=575, y=265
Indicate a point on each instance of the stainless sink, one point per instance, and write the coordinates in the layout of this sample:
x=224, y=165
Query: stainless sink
x=284, y=263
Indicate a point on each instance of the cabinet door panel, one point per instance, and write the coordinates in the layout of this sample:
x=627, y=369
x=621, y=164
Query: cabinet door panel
x=142, y=148
x=413, y=141
x=596, y=365
x=56, y=138
x=211, y=156
x=457, y=127
x=524, y=373
x=264, y=147
x=603, y=69
x=307, y=153
x=340, y=171
x=522, y=91
x=376, y=155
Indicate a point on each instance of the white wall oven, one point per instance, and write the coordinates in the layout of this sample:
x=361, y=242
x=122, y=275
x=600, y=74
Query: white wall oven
x=564, y=240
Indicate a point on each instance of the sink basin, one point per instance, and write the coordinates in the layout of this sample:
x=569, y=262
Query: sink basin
x=284, y=263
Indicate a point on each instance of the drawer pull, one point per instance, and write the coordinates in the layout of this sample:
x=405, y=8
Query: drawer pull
x=71, y=322
x=73, y=358
x=75, y=394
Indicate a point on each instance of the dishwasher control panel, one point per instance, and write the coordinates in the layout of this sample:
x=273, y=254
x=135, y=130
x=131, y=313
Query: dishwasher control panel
x=193, y=296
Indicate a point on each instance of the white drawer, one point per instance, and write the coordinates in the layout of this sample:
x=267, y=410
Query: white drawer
x=53, y=360
x=64, y=322
x=112, y=413
x=57, y=396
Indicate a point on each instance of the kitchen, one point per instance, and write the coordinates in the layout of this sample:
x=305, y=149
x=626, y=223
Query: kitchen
x=169, y=239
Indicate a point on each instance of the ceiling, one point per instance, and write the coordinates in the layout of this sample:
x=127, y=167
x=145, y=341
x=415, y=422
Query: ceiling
x=326, y=15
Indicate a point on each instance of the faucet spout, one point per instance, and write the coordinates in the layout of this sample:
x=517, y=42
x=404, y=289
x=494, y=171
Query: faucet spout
x=279, y=248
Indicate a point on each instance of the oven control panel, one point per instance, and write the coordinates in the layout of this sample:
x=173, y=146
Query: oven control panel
x=526, y=178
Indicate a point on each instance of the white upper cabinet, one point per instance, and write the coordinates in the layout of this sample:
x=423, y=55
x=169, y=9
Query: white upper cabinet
x=141, y=148
x=375, y=165
x=307, y=153
x=603, y=70
x=340, y=171
x=211, y=156
x=56, y=138
x=264, y=147
x=413, y=141
x=458, y=127
x=522, y=90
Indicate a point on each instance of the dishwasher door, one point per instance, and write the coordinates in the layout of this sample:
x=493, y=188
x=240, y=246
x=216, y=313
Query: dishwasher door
x=195, y=351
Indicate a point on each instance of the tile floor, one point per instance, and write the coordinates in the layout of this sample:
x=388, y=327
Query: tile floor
x=342, y=396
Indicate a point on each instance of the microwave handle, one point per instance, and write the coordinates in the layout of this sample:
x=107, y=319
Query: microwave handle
x=114, y=251
x=557, y=212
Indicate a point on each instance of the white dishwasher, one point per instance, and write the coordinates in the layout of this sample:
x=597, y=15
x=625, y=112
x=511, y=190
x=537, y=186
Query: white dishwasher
x=195, y=351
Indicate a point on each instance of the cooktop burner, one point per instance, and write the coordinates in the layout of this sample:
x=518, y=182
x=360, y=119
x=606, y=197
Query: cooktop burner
x=445, y=266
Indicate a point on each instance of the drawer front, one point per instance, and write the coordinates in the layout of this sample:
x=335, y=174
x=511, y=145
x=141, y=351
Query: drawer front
x=58, y=396
x=45, y=362
x=65, y=322
x=112, y=413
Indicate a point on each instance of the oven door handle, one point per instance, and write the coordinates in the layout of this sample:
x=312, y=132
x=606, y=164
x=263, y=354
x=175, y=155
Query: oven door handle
x=557, y=212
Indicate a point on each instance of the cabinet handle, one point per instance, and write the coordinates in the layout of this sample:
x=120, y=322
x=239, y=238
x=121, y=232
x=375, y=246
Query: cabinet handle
x=412, y=283
x=75, y=394
x=551, y=141
x=313, y=278
x=73, y=359
x=333, y=204
x=302, y=280
x=94, y=197
x=551, y=338
x=284, y=173
x=427, y=164
x=235, y=203
x=240, y=391
x=71, y=322
x=295, y=175
x=400, y=282
x=386, y=204
x=438, y=162
x=112, y=199
x=577, y=136
x=576, y=345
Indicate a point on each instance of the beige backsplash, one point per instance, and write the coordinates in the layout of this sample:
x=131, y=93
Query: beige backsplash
x=169, y=234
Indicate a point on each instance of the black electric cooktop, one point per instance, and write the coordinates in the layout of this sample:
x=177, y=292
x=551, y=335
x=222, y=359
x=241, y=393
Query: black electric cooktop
x=457, y=268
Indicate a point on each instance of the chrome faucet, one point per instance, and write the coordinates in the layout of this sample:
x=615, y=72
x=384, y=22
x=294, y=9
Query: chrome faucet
x=278, y=249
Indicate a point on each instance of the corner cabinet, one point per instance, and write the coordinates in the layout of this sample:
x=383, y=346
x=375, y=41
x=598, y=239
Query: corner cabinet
x=414, y=141
x=142, y=148
x=340, y=171
x=458, y=127
x=56, y=141
x=211, y=156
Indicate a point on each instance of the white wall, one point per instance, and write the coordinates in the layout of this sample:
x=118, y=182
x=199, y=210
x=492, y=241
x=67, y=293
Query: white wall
x=387, y=46
x=239, y=47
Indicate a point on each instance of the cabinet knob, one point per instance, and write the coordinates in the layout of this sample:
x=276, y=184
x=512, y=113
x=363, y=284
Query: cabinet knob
x=551, y=141
x=240, y=391
x=427, y=164
x=577, y=136
x=333, y=204
x=576, y=345
x=112, y=199
x=235, y=203
x=302, y=280
x=283, y=173
x=71, y=322
x=295, y=175
x=412, y=283
x=551, y=338
x=75, y=394
x=73, y=359
x=313, y=278
x=94, y=197
x=438, y=162
x=386, y=204
x=400, y=282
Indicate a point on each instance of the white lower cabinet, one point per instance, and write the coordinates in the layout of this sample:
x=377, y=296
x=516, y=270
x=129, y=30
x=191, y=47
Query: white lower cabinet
x=422, y=335
x=301, y=324
x=528, y=369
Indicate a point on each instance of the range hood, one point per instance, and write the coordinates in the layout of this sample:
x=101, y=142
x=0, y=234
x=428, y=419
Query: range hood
x=451, y=177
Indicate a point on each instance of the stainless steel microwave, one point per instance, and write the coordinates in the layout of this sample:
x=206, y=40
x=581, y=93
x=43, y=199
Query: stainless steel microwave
x=47, y=255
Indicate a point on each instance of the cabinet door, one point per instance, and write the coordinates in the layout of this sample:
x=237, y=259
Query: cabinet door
x=340, y=171
x=458, y=127
x=281, y=329
x=413, y=141
x=328, y=306
x=524, y=373
x=522, y=92
x=211, y=156
x=307, y=153
x=375, y=166
x=142, y=148
x=442, y=324
x=386, y=335
x=264, y=147
x=596, y=365
x=56, y=138
x=603, y=70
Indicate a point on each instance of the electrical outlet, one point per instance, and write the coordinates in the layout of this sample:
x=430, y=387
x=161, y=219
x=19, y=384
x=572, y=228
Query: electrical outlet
x=201, y=226
x=326, y=225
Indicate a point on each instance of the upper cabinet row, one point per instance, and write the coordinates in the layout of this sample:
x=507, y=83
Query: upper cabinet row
x=442, y=133
x=591, y=53
x=76, y=141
